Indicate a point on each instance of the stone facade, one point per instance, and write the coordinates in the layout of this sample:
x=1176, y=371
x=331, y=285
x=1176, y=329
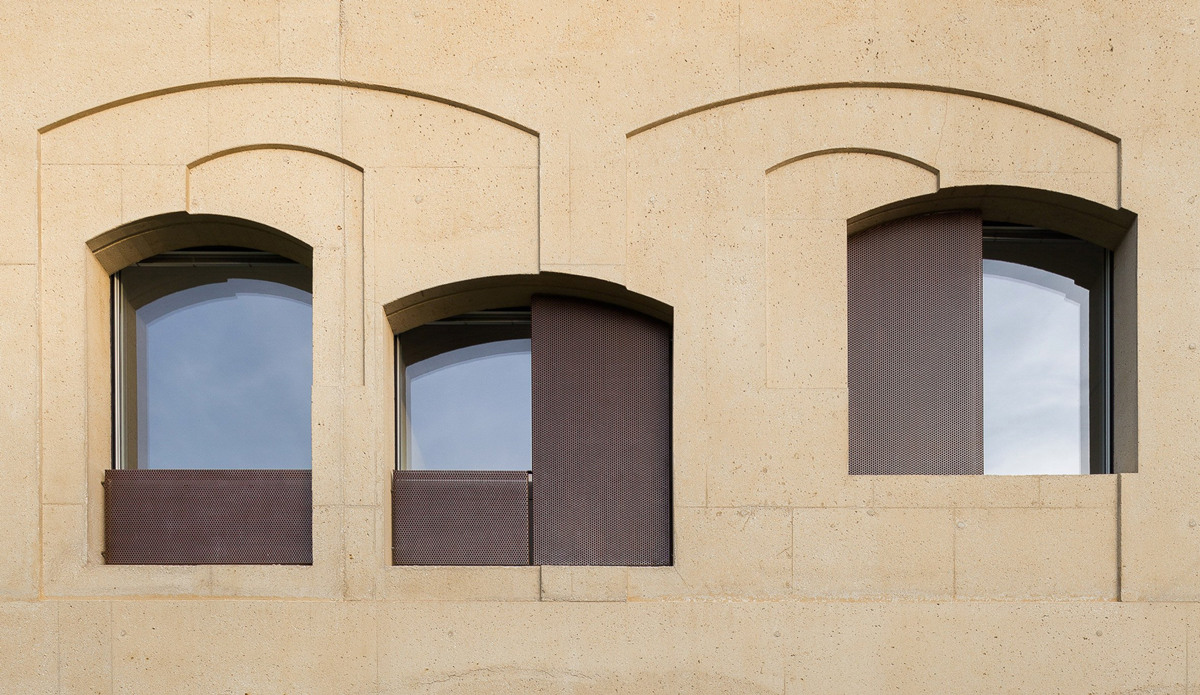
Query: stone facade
x=709, y=154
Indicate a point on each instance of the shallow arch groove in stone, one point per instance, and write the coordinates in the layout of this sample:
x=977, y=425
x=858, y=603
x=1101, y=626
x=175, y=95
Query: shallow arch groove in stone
x=273, y=146
x=282, y=80
x=140, y=239
x=856, y=150
x=512, y=290
x=878, y=85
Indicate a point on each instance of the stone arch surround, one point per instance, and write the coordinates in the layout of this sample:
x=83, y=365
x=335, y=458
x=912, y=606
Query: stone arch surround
x=375, y=180
x=739, y=211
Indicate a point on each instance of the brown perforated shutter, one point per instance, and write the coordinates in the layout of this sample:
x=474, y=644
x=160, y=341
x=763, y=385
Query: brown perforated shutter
x=916, y=346
x=601, y=435
x=204, y=517
x=460, y=518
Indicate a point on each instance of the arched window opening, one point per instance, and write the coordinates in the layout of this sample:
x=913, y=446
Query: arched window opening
x=979, y=347
x=533, y=433
x=212, y=402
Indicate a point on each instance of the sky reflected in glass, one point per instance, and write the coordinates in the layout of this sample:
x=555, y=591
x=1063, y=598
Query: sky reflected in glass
x=471, y=409
x=1035, y=371
x=225, y=377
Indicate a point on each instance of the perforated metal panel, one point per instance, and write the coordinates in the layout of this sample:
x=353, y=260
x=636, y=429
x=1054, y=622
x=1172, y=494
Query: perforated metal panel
x=916, y=346
x=460, y=518
x=601, y=435
x=190, y=517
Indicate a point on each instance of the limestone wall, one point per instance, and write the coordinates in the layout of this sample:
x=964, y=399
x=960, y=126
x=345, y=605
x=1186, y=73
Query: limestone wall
x=708, y=154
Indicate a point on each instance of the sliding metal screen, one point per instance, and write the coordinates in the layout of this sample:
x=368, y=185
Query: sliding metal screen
x=601, y=435
x=915, y=346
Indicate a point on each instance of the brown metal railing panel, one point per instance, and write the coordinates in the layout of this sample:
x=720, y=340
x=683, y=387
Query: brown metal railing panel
x=916, y=346
x=200, y=517
x=460, y=518
x=601, y=435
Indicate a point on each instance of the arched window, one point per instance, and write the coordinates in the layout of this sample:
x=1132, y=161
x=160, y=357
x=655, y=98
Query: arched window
x=212, y=399
x=978, y=347
x=537, y=432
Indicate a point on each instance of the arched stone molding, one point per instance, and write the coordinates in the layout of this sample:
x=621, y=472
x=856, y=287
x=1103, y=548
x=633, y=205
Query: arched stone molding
x=738, y=216
x=365, y=184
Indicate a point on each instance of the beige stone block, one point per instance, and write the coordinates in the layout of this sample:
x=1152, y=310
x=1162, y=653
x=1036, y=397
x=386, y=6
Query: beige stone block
x=873, y=553
x=1038, y=554
x=329, y=331
x=776, y=447
x=732, y=138
x=18, y=420
x=1019, y=647
x=612, y=273
x=385, y=129
x=554, y=647
x=554, y=185
x=690, y=445
x=365, y=550
x=328, y=429
x=840, y=185
x=417, y=583
x=806, y=314
x=244, y=646
x=152, y=189
x=66, y=334
x=310, y=38
x=434, y=226
x=307, y=115
x=1160, y=538
x=584, y=583
x=29, y=636
x=166, y=130
x=728, y=551
x=597, y=219
x=57, y=58
x=85, y=647
x=67, y=571
x=306, y=195
x=360, y=467
x=1092, y=491
x=1005, y=141
x=439, y=47
x=244, y=38
x=94, y=139
x=18, y=215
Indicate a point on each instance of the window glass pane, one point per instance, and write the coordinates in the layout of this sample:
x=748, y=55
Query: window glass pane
x=224, y=376
x=1035, y=371
x=469, y=408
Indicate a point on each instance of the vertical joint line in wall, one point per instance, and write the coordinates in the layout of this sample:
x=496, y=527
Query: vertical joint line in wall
x=1120, y=166
x=953, y=552
x=1120, y=563
x=362, y=272
x=38, y=356
x=540, y=173
x=111, y=688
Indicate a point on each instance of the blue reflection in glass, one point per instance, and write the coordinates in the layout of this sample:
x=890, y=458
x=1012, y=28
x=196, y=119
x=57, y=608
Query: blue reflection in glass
x=1035, y=371
x=471, y=409
x=225, y=377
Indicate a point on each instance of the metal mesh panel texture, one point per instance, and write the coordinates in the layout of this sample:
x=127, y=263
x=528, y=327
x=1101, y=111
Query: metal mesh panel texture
x=601, y=435
x=460, y=518
x=916, y=346
x=199, y=517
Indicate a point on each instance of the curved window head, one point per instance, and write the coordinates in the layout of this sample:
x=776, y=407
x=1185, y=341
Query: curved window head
x=213, y=361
